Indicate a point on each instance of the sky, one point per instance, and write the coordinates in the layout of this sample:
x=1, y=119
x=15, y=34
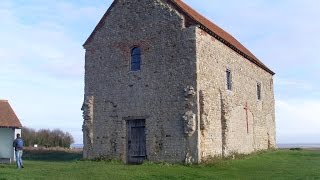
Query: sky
x=42, y=58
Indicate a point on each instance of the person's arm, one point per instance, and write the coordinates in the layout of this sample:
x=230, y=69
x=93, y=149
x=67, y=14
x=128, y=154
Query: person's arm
x=14, y=143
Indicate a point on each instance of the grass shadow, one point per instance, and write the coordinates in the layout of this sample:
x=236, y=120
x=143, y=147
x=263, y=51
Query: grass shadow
x=52, y=155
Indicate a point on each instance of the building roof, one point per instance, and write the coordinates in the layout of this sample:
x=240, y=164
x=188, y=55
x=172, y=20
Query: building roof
x=204, y=24
x=8, y=118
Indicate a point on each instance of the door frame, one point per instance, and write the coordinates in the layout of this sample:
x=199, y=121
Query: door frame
x=128, y=120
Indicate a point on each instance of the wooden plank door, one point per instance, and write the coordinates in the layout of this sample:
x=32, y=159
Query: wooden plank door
x=136, y=141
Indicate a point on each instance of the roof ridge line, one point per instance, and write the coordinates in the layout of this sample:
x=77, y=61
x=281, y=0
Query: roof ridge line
x=224, y=37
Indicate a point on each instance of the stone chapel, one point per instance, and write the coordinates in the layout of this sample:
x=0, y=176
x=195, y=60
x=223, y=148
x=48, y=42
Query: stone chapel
x=163, y=83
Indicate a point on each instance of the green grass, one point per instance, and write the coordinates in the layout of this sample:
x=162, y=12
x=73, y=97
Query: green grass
x=282, y=164
x=55, y=155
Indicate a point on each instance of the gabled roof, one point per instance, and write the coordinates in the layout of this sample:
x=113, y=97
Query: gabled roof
x=204, y=24
x=8, y=118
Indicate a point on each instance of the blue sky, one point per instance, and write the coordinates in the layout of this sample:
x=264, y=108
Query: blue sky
x=42, y=59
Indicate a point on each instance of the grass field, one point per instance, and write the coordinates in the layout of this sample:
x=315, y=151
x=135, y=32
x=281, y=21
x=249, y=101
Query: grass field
x=282, y=164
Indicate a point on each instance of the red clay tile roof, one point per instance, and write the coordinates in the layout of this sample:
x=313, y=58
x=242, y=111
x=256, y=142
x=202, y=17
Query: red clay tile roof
x=8, y=118
x=220, y=34
x=206, y=25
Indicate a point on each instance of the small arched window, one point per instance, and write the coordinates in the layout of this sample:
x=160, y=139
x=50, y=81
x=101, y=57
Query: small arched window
x=135, y=59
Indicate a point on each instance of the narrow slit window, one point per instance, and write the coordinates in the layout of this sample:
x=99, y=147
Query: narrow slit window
x=229, y=79
x=135, y=59
x=259, y=91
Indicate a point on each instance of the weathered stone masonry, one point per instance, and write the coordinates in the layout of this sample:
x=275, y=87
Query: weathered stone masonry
x=180, y=90
x=238, y=121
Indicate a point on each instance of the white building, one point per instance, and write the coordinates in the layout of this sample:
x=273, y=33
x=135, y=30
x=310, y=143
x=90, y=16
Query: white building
x=9, y=127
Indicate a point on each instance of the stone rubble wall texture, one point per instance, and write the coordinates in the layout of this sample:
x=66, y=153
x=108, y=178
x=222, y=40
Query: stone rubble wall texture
x=223, y=111
x=155, y=93
x=87, y=126
x=180, y=90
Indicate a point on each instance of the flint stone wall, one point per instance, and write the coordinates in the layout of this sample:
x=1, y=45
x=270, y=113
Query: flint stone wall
x=180, y=89
x=229, y=127
x=155, y=93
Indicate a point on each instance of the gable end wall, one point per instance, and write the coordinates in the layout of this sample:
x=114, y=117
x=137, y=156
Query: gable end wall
x=155, y=93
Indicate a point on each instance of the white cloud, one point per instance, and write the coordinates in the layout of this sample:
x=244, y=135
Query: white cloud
x=283, y=34
x=298, y=118
x=41, y=50
x=41, y=39
x=42, y=64
x=294, y=84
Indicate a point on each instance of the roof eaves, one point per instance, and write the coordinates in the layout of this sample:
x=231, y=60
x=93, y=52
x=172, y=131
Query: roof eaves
x=13, y=127
x=178, y=4
x=253, y=60
x=249, y=55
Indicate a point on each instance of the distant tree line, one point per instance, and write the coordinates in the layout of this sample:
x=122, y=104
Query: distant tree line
x=46, y=138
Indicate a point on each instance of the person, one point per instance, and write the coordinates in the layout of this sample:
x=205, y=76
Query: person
x=18, y=148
